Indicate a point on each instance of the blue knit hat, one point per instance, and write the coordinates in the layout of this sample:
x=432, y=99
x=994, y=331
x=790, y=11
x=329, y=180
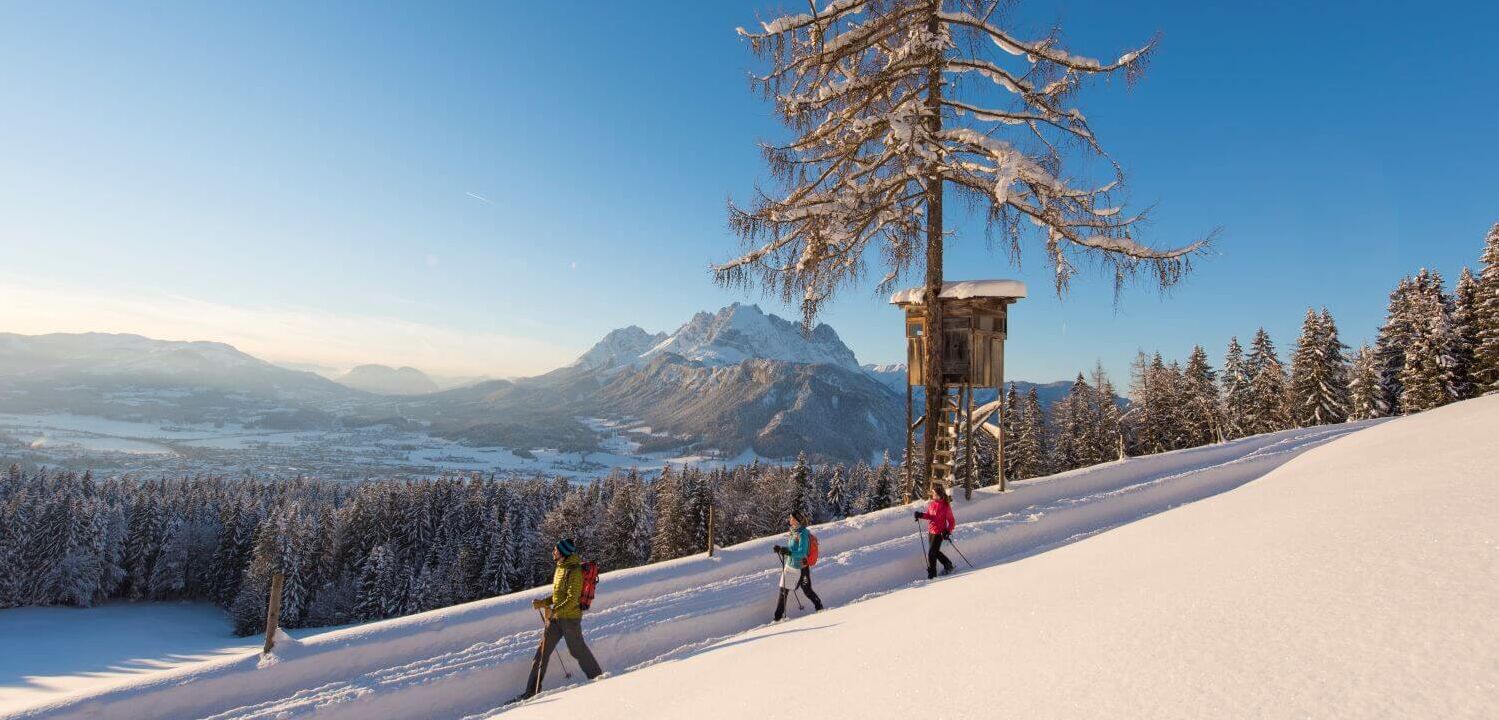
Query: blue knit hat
x=566, y=547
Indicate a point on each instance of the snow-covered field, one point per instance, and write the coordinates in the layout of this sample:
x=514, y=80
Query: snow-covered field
x=469, y=659
x=49, y=652
x=122, y=446
x=1360, y=580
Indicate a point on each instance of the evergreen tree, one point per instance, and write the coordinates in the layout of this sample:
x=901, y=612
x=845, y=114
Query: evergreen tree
x=669, y=526
x=1486, y=317
x=1395, y=336
x=1269, y=400
x=1010, y=422
x=1465, y=329
x=1030, y=450
x=1363, y=385
x=1319, y=378
x=1427, y=377
x=882, y=492
x=623, y=524
x=1237, y=406
x=1200, y=404
x=1106, y=417
x=839, y=499
x=803, y=489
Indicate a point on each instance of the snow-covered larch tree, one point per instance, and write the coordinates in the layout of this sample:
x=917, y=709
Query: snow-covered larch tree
x=894, y=102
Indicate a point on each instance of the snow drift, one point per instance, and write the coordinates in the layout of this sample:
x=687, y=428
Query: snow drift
x=470, y=658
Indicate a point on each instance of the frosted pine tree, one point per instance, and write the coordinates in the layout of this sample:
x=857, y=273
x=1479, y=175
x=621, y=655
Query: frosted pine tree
x=1173, y=387
x=1390, y=346
x=882, y=491
x=1200, y=405
x=1106, y=415
x=1319, y=379
x=696, y=500
x=1365, y=398
x=1146, y=416
x=1070, y=427
x=891, y=103
x=1030, y=439
x=1465, y=328
x=1486, y=317
x=622, y=523
x=1236, y=395
x=802, y=489
x=1427, y=378
x=1269, y=399
x=839, y=499
x=1335, y=357
x=1010, y=422
x=668, y=534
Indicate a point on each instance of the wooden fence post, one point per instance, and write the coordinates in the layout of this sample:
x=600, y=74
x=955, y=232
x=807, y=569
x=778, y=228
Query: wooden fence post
x=710, y=531
x=273, y=613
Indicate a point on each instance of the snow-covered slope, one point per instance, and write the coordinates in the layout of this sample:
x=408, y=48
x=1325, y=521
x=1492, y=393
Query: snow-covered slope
x=619, y=347
x=741, y=332
x=471, y=658
x=1360, y=580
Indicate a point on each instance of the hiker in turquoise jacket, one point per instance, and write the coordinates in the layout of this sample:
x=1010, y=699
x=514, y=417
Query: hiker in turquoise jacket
x=794, y=558
x=564, y=618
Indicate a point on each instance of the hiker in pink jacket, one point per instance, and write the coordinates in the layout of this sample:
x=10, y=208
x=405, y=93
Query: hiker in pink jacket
x=939, y=525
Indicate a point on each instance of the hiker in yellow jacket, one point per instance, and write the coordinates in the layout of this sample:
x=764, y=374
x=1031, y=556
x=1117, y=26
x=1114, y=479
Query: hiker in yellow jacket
x=564, y=618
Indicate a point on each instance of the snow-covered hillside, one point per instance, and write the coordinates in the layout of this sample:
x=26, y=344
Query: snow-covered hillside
x=1360, y=580
x=469, y=659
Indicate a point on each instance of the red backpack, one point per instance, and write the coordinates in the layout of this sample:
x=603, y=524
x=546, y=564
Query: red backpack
x=590, y=584
x=811, y=549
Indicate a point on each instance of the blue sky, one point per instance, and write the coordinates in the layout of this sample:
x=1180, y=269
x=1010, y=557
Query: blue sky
x=488, y=188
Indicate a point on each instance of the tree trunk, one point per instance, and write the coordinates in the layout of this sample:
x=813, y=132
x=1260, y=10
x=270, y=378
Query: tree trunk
x=931, y=303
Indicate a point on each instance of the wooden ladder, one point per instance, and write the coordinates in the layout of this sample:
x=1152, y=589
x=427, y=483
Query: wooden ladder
x=944, y=459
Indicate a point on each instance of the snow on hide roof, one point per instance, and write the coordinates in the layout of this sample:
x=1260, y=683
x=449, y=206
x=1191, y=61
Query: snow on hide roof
x=963, y=289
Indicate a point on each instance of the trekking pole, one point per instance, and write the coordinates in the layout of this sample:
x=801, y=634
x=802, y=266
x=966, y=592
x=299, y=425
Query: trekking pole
x=920, y=544
x=960, y=552
x=781, y=582
x=545, y=623
x=540, y=650
x=565, y=672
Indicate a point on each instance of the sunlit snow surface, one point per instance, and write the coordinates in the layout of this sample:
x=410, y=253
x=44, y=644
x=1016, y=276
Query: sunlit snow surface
x=49, y=652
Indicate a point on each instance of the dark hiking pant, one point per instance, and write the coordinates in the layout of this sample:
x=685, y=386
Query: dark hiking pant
x=805, y=584
x=572, y=632
x=934, y=555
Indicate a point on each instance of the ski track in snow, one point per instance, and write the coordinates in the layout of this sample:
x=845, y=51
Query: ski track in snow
x=469, y=662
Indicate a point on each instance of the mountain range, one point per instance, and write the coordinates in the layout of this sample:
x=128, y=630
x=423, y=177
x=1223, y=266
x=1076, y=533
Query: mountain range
x=736, y=383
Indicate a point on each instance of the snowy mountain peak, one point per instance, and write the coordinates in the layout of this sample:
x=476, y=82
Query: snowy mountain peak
x=741, y=332
x=619, y=347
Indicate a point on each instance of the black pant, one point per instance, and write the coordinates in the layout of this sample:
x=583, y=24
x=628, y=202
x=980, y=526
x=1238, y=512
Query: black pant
x=572, y=632
x=934, y=556
x=805, y=583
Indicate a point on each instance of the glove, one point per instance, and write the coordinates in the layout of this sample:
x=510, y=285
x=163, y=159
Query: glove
x=540, y=604
x=781, y=550
x=920, y=514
